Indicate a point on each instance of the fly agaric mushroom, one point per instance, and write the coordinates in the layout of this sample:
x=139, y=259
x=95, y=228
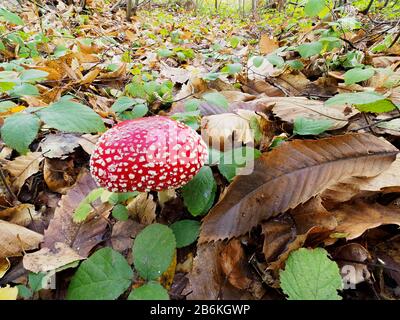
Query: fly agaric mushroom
x=152, y=153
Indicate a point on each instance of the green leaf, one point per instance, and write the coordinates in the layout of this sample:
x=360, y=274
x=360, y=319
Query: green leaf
x=377, y=107
x=136, y=90
x=123, y=103
x=304, y=126
x=357, y=75
x=164, y=53
x=211, y=76
x=191, y=105
x=149, y=291
x=354, y=98
x=6, y=85
x=140, y=110
x=234, y=41
x=153, y=250
x=118, y=197
x=84, y=208
x=232, y=160
x=24, y=291
x=199, y=193
x=295, y=64
x=36, y=281
x=234, y=68
x=16, y=138
x=276, y=60
x=11, y=17
x=258, y=61
x=217, y=99
x=32, y=75
x=186, y=232
x=104, y=276
x=120, y=212
x=314, y=7
x=307, y=50
x=25, y=89
x=311, y=275
x=71, y=116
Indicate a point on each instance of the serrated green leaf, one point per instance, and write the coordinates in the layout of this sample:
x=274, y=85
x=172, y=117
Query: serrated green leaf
x=357, y=75
x=186, y=232
x=314, y=7
x=104, y=276
x=153, y=250
x=11, y=17
x=311, y=275
x=307, y=50
x=71, y=116
x=149, y=291
x=217, y=99
x=304, y=126
x=199, y=193
x=120, y=212
x=16, y=138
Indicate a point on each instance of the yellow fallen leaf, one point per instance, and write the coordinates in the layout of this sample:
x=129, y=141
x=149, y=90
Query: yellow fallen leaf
x=8, y=293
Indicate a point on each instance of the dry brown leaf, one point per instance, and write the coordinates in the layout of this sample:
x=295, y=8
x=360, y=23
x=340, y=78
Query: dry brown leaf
x=59, y=145
x=46, y=260
x=292, y=174
x=123, y=233
x=88, y=142
x=80, y=237
x=206, y=281
x=267, y=44
x=346, y=257
x=237, y=96
x=290, y=108
x=59, y=175
x=14, y=239
x=22, y=167
x=4, y=266
x=22, y=214
x=222, y=131
x=176, y=75
x=356, y=218
x=143, y=208
x=264, y=70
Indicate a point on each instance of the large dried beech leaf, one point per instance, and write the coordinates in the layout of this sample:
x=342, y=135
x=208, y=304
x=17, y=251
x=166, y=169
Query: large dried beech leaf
x=355, y=218
x=80, y=237
x=15, y=239
x=21, y=168
x=292, y=174
x=290, y=108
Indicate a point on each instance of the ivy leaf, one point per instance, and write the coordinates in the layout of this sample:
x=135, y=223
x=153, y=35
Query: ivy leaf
x=304, y=126
x=69, y=116
x=153, y=250
x=357, y=75
x=11, y=17
x=16, y=138
x=104, y=276
x=311, y=275
x=186, y=232
x=314, y=7
x=216, y=99
x=199, y=193
x=307, y=50
x=149, y=291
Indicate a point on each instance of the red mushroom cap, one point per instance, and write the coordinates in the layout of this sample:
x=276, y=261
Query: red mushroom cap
x=152, y=153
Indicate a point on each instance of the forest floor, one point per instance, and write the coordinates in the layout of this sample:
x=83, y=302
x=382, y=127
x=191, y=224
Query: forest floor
x=310, y=99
